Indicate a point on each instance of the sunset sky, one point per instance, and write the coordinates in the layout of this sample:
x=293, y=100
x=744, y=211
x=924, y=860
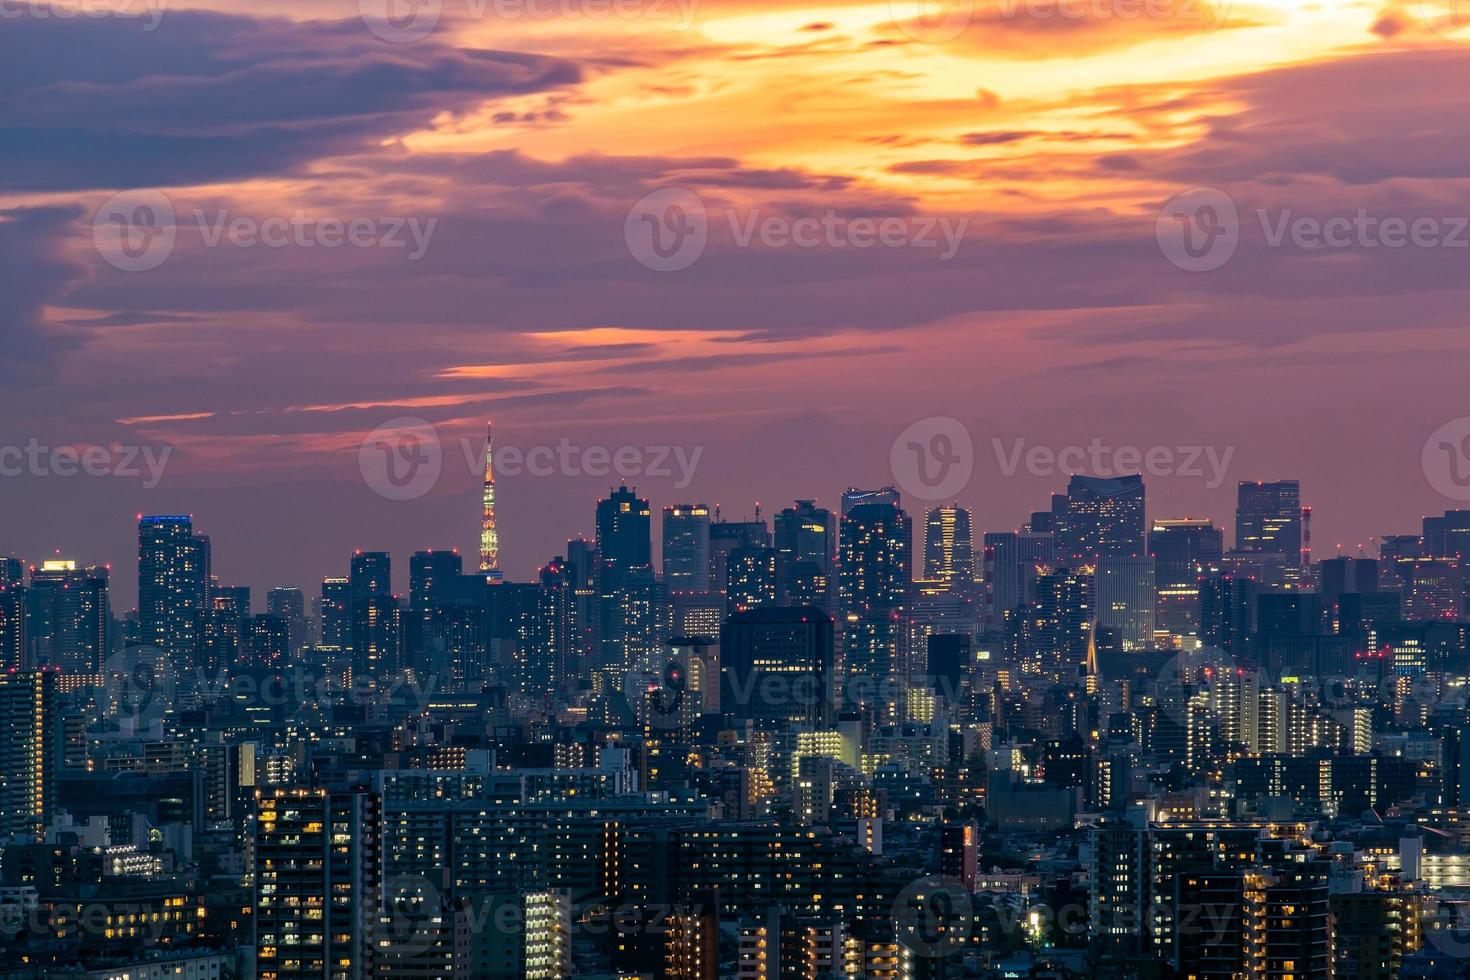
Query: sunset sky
x=528, y=129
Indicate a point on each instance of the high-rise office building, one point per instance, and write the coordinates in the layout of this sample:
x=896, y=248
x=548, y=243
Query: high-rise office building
x=69, y=617
x=874, y=577
x=854, y=497
x=1103, y=517
x=30, y=752
x=1126, y=600
x=1011, y=562
x=806, y=538
x=752, y=579
x=173, y=583
x=374, y=624
x=288, y=604
x=686, y=548
x=630, y=601
x=1184, y=551
x=1268, y=518
x=728, y=536
x=949, y=551
x=776, y=664
x=318, y=883
x=335, y=612
x=1434, y=588
x=806, y=532
x=623, y=538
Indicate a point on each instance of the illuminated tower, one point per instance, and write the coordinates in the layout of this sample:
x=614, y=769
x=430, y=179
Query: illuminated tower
x=489, y=536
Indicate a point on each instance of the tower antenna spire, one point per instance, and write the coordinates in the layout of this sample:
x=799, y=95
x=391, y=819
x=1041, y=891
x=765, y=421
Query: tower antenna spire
x=489, y=534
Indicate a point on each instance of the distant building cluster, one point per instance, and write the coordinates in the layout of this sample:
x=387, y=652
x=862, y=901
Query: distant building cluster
x=826, y=745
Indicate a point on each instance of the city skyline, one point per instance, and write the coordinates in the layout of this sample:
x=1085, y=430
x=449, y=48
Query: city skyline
x=515, y=134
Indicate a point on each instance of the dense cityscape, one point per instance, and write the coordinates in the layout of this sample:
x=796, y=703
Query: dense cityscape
x=850, y=742
x=734, y=490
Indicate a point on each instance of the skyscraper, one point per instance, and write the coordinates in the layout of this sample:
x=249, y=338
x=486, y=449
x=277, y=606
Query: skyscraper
x=1126, y=599
x=287, y=604
x=752, y=580
x=776, y=664
x=875, y=573
x=1268, y=518
x=374, y=620
x=629, y=602
x=1104, y=517
x=173, y=583
x=686, y=547
x=69, y=617
x=1183, y=550
x=1011, y=560
x=489, y=533
x=949, y=553
x=728, y=536
x=855, y=496
x=30, y=752
x=335, y=610
x=623, y=537
x=318, y=874
x=806, y=537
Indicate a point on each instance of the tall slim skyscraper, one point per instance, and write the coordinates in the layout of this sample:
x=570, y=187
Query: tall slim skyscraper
x=1104, y=517
x=173, y=583
x=949, y=550
x=686, y=547
x=489, y=533
x=1268, y=518
x=30, y=752
x=628, y=598
x=335, y=611
x=876, y=570
x=374, y=617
